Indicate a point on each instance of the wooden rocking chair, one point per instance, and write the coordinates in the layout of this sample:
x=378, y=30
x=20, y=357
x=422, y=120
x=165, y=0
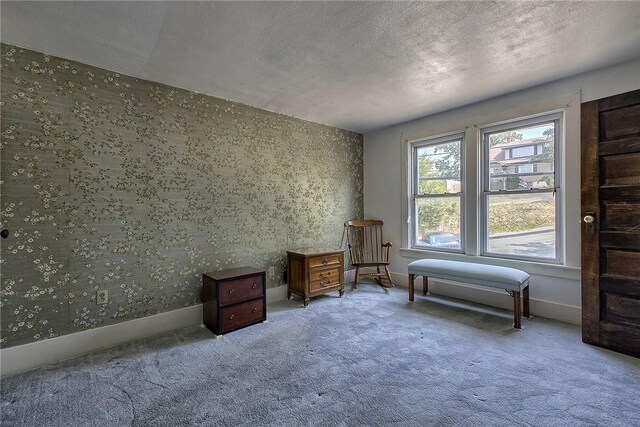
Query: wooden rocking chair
x=364, y=240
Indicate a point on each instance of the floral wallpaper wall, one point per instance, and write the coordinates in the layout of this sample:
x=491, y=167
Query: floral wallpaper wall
x=112, y=182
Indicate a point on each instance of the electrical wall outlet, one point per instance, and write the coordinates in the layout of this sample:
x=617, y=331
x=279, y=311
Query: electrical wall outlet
x=102, y=297
x=272, y=272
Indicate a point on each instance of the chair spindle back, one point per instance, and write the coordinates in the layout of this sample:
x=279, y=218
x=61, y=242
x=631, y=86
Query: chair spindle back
x=365, y=241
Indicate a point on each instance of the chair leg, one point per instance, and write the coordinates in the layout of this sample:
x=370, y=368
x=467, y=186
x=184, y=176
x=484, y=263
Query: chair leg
x=386, y=270
x=525, y=301
x=355, y=286
x=516, y=311
x=411, y=277
x=377, y=276
x=425, y=285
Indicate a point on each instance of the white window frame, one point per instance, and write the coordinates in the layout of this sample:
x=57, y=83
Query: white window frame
x=469, y=119
x=414, y=146
x=557, y=190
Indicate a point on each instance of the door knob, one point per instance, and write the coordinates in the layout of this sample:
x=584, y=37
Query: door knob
x=589, y=220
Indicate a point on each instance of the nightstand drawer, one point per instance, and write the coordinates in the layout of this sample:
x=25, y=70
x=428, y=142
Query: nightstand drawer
x=243, y=314
x=324, y=284
x=325, y=261
x=328, y=274
x=232, y=291
x=327, y=278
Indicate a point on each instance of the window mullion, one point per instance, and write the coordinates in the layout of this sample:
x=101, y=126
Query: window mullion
x=435, y=196
x=531, y=191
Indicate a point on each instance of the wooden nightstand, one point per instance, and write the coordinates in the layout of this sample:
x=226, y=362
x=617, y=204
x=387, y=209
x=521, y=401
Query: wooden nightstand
x=313, y=272
x=233, y=299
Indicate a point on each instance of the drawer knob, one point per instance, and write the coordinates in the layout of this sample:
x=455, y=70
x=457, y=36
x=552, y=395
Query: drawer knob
x=254, y=286
x=254, y=310
x=231, y=291
x=325, y=261
x=232, y=317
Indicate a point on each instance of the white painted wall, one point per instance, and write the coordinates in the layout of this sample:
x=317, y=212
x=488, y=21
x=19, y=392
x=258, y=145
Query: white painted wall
x=555, y=290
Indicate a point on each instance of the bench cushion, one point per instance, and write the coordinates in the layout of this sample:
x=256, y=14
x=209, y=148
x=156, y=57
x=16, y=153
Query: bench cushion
x=479, y=274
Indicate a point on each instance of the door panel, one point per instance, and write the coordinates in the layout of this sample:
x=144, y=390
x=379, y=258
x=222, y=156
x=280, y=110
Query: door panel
x=620, y=215
x=611, y=244
x=621, y=264
x=621, y=169
x=620, y=122
x=620, y=308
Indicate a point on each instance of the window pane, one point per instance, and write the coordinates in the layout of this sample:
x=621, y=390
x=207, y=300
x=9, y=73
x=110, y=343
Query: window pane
x=438, y=222
x=438, y=168
x=522, y=225
x=525, y=168
x=522, y=151
x=528, y=150
x=439, y=186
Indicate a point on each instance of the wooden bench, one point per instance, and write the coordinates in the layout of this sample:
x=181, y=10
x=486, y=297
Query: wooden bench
x=512, y=280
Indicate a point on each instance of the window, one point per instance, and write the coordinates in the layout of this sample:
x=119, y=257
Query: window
x=437, y=193
x=520, y=206
x=522, y=151
x=525, y=168
x=513, y=211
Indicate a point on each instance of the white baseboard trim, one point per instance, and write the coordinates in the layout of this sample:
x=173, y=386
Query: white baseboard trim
x=493, y=297
x=279, y=293
x=349, y=276
x=42, y=353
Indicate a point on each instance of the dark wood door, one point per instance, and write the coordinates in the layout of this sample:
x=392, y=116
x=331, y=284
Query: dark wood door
x=611, y=223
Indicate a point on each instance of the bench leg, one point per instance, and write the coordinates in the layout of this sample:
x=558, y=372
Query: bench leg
x=516, y=310
x=411, y=277
x=425, y=285
x=525, y=302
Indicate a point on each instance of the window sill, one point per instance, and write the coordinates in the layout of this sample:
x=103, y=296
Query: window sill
x=535, y=268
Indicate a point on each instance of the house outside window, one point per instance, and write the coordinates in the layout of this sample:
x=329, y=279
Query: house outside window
x=437, y=192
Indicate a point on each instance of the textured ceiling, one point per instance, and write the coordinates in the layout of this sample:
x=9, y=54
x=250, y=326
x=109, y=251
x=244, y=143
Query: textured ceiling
x=355, y=65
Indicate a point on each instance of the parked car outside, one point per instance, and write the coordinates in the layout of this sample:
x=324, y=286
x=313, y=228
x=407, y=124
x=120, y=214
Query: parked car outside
x=441, y=240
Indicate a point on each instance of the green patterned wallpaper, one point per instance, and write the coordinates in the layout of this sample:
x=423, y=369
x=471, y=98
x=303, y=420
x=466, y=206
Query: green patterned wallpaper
x=112, y=182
